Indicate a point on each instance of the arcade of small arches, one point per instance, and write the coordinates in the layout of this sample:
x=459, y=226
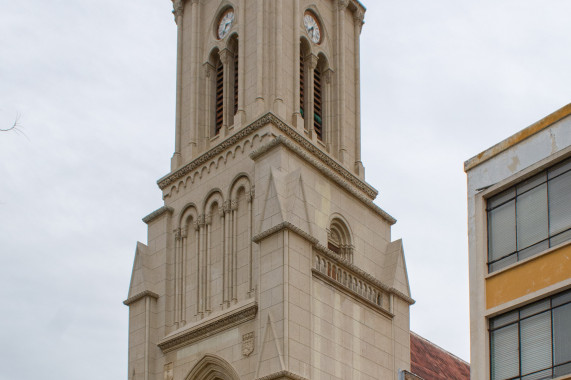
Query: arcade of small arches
x=213, y=253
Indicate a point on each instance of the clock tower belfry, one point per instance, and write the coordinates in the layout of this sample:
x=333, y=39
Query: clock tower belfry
x=239, y=60
x=269, y=258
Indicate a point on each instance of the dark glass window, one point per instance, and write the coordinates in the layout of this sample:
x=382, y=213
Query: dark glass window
x=533, y=342
x=530, y=217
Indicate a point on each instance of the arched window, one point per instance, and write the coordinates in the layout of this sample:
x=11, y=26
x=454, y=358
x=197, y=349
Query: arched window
x=339, y=239
x=212, y=367
x=313, y=90
x=223, y=72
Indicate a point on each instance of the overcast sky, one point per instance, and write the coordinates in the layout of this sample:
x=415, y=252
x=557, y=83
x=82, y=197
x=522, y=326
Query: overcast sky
x=94, y=82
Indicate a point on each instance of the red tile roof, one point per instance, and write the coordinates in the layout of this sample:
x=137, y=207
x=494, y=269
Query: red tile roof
x=431, y=362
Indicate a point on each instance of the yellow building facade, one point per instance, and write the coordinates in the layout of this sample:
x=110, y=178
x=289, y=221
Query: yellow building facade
x=519, y=230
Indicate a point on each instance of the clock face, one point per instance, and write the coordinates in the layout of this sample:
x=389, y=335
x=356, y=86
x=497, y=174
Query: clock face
x=312, y=27
x=225, y=23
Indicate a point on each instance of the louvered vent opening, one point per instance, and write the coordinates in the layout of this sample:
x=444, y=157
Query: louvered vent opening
x=236, y=82
x=301, y=83
x=317, y=102
x=219, y=98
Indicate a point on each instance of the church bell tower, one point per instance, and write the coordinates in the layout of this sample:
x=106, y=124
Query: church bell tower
x=269, y=259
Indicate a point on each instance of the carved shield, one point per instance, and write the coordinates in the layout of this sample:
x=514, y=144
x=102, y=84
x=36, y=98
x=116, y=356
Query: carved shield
x=247, y=344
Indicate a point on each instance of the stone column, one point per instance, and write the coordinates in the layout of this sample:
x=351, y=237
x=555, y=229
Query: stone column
x=241, y=114
x=227, y=251
x=209, y=75
x=278, y=46
x=196, y=227
x=259, y=55
x=207, y=264
x=177, y=249
x=250, y=235
x=234, y=207
x=226, y=57
x=178, y=11
x=358, y=18
x=201, y=267
x=326, y=104
x=195, y=70
x=296, y=115
x=341, y=7
x=184, y=253
x=221, y=214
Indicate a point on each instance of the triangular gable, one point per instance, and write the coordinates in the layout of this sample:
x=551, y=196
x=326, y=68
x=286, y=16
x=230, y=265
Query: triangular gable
x=270, y=359
x=141, y=276
x=395, y=267
x=274, y=212
x=296, y=204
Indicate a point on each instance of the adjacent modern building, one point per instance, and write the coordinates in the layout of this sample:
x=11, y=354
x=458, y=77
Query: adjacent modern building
x=268, y=259
x=519, y=229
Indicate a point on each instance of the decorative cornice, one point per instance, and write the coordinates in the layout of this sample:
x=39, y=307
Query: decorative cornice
x=403, y=296
x=282, y=375
x=268, y=118
x=143, y=294
x=325, y=158
x=325, y=169
x=158, y=212
x=282, y=226
x=208, y=328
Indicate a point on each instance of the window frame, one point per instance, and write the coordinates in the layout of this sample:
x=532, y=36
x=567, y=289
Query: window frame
x=518, y=321
x=512, y=184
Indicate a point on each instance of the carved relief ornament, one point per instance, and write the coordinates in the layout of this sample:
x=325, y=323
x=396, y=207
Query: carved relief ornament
x=177, y=8
x=248, y=343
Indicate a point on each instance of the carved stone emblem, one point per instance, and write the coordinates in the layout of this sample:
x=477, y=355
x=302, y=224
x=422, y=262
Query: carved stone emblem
x=248, y=343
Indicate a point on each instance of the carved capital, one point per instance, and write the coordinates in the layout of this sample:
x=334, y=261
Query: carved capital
x=226, y=56
x=227, y=206
x=208, y=219
x=177, y=9
x=342, y=4
x=177, y=233
x=251, y=196
x=327, y=75
x=196, y=225
x=183, y=232
x=201, y=220
x=234, y=205
x=208, y=69
x=312, y=60
x=359, y=17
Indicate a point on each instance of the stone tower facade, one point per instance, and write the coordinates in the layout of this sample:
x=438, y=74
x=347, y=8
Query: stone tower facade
x=269, y=259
